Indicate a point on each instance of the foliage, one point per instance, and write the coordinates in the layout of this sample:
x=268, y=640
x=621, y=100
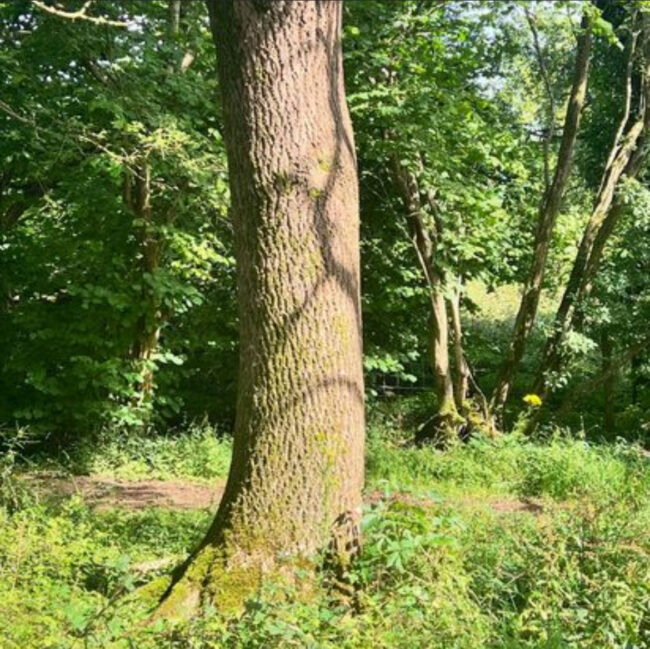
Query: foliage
x=87, y=277
x=115, y=318
x=442, y=565
x=198, y=453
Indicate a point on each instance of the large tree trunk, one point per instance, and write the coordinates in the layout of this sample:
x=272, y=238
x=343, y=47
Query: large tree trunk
x=549, y=209
x=295, y=481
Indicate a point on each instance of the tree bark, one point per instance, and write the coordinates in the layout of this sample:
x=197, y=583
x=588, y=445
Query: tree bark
x=174, y=20
x=463, y=374
x=442, y=428
x=549, y=209
x=610, y=374
x=295, y=480
x=627, y=157
x=137, y=196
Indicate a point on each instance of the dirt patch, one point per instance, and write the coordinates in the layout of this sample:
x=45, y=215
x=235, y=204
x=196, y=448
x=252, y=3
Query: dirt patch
x=501, y=505
x=105, y=493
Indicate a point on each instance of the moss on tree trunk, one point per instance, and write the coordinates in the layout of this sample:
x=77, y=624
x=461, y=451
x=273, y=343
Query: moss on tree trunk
x=295, y=481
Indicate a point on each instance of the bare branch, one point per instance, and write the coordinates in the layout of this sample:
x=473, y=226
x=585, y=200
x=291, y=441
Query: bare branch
x=550, y=126
x=628, y=103
x=81, y=14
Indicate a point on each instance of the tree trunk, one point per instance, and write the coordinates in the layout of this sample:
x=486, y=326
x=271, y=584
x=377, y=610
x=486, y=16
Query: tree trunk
x=295, y=480
x=444, y=429
x=174, y=20
x=443, y=426
x=626, y=158
x=549, y=209
x=610, y=375
x=137, y=195
x=461, y=384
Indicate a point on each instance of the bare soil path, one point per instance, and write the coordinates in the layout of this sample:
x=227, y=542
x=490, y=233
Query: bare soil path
x=106, y=493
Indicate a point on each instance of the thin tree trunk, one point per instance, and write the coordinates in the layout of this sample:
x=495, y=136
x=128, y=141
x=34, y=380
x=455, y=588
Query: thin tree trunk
x=174, y=22
x=443, y=426
x=550, y=107
x=610, y=374
x=137, y=196
x=461, y=385
x=548, y=212
x=626, y=158
x=297, y=470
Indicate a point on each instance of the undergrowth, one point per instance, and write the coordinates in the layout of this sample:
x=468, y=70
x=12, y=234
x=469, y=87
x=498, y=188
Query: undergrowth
x=441, y=568
x=199, y=453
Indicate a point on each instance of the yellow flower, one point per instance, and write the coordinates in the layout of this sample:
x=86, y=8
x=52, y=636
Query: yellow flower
x=533, y=400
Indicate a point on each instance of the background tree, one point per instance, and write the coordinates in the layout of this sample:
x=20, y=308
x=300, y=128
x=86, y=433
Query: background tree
x=550, y=204
x=114, y=199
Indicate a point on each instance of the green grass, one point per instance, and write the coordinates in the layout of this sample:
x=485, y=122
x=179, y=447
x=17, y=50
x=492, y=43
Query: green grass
x=199, y=454
x=561, y=469
x=436, y=575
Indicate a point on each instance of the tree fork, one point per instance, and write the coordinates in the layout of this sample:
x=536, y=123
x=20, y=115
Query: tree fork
x=549, y=209
x=627, y=157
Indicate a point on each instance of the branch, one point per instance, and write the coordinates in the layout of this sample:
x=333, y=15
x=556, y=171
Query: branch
x=532, y=22
x=628, y=103
x=80, y=136
x=6, y=108
x=78, y=15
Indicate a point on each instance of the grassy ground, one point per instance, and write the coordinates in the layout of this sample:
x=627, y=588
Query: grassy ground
x=505, y=544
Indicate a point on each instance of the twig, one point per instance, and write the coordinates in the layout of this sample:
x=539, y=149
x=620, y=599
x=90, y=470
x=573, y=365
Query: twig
x=550, y=129
x=78, y=15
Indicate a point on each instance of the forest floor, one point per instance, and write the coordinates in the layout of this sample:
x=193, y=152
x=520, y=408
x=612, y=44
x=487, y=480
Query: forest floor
x=495, y=544
x=105, y=492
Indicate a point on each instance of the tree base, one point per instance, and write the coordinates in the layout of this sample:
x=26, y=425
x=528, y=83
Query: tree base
x=211, y=580
x=449, y=426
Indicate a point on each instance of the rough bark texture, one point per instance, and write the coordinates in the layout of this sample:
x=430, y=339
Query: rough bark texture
x=549, y=209
x=297, y=471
